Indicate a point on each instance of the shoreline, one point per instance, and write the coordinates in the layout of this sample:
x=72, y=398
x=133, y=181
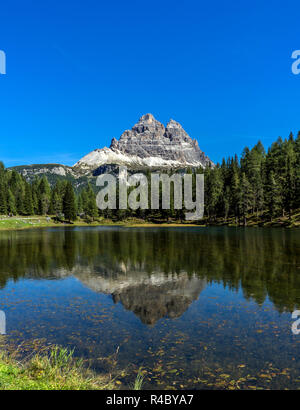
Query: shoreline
x=19, y=224
x=23, y=223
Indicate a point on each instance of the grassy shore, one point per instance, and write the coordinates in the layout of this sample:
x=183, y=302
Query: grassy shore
x=28, y=222
x=260, y=220
x=55, y=370
x=19, y=223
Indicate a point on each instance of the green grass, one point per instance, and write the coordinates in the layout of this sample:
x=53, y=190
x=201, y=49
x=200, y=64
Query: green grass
x=22, y=223
x=19, y=222
x=53, y=370
x=138, y=383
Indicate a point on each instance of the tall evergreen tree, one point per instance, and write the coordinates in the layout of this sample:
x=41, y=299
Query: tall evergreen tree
x=44, y=196
x=28, y=204
x=246, y=195
x=91, y=206
x=273, y=197
x=3, y=199
x=69, y=203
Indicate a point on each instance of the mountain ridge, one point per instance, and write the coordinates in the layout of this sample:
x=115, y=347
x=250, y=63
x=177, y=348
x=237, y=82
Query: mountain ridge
x=149, y=145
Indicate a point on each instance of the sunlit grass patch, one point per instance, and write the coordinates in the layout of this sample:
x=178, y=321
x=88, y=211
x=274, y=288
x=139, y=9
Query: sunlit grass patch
x=53, y=370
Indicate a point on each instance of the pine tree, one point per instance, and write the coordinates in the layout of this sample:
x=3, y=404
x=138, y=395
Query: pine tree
x=28, y=204
x=273, y=197
x=235, y=190
x=69, y=203
x=289, y=177
x=56, y=201
x=246, y=195
x=297, y=171
x=44, y=196
x=11, y=203
x=214, y=192
x=91, y=206
x=3, y=199
x=79, y=204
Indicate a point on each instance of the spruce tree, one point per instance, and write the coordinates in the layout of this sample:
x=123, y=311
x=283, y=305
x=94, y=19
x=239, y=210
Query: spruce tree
x=273, y=197
x=235, y=190
x=11, y=203
x=91, y=206
x=246, y=195
x=69, y=203
x=28, y=204
x=44, y=196
x=289, y=185
x=3, y=199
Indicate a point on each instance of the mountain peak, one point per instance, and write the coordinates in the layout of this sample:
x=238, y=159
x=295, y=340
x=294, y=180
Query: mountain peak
x=149, y=144
x=174, y=124
x=147, y=118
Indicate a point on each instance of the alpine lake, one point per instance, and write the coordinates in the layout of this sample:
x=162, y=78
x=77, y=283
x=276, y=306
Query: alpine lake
x=192, y=307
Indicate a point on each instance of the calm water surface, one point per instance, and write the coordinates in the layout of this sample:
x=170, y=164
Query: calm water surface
x=195, y=307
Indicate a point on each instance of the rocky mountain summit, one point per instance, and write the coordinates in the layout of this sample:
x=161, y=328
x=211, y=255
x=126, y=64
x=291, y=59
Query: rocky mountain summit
x=149, y=144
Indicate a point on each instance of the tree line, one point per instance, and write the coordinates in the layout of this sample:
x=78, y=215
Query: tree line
x=259, y=182
x=20, y=197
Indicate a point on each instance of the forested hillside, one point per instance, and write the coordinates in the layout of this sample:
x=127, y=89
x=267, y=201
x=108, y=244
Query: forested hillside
x=259, y=182
x=20, y=197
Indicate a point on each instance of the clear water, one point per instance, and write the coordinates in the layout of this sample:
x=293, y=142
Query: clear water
x=195, y=307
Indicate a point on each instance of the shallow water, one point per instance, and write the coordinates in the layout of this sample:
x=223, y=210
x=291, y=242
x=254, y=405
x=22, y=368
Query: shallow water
x=195, y=307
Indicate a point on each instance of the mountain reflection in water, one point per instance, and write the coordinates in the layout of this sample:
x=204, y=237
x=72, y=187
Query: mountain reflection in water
x=150, y=297
x=195, y=307
x=159, y=272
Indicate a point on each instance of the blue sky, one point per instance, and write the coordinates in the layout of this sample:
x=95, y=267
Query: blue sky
x=81, y=72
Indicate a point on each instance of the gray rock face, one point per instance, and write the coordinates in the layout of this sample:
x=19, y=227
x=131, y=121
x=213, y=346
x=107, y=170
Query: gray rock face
x=149, y=138
x=51, y=171
x=149, y=145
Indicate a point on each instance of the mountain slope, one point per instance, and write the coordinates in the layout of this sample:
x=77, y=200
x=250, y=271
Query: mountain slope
x=148, y=145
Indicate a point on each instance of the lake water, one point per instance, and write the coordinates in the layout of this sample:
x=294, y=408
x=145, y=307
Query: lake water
x=194, y=307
